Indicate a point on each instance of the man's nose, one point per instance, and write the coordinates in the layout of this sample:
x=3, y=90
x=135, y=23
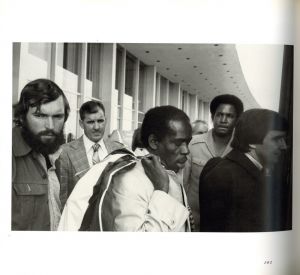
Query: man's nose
x=49, y=123
x=185, y=149
x=282, y=144
x=223, y=118
x=96, y=126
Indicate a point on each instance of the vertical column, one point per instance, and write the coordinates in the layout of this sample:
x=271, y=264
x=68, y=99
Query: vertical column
x=108, y=75
x=52, y=62
x=157, y=94
x=193, y=107
x=82, y=63
x=174, y=95
x=200, y=110
x=206, y=114
x=122, y=87
x=186, y=102
x=150, y=85
x=164, y=92
x=16, y=70
x=136, y=79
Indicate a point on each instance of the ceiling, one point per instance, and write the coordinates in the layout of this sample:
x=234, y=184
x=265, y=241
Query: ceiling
x=203, y=69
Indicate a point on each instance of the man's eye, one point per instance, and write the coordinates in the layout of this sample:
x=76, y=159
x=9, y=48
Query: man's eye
x=178, y=143
x=39, y=115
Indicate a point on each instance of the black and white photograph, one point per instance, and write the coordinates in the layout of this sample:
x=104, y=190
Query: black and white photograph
x=233, y=174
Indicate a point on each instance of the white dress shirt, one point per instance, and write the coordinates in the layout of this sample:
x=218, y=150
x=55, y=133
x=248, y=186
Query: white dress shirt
x=88, y=144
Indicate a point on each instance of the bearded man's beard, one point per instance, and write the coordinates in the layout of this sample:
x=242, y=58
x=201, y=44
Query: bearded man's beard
x=36, y=143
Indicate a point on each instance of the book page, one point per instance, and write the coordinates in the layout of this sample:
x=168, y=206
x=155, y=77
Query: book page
x=226, y=22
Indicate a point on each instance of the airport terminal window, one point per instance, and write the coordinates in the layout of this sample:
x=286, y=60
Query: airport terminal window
x=70, y=57
x=129, y=75
x=89, y=68
x=141, y=87
x=118, y=69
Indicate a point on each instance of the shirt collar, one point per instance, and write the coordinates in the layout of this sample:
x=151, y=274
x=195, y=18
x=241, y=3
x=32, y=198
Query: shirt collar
x=88, y=144
x=254, y=161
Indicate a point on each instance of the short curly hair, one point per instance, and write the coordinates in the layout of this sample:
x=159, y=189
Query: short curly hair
x=226, y=99
x=156, y=121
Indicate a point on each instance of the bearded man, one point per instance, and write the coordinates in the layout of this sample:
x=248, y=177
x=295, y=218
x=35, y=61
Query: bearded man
x=39, y=117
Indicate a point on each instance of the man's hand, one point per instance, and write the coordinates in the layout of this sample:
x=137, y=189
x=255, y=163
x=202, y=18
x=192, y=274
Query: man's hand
x=156, y=173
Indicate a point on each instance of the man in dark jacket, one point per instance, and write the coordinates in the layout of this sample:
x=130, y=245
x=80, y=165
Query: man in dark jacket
x=245, y=191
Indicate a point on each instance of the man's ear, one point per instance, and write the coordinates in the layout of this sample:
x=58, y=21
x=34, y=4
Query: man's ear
x=81, y=123
x=153, y=142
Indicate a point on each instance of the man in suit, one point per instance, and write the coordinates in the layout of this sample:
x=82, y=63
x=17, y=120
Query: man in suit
x=247, y=190
x=225, y=110
x=80, y=155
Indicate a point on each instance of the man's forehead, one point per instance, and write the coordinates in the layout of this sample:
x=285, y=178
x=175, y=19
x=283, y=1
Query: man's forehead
x=180, y=128
x=52, y=107
x=226, y=107
x=94, y=116
x=276, y=133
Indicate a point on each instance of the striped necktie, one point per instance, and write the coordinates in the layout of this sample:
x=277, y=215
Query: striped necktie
x=95, y=158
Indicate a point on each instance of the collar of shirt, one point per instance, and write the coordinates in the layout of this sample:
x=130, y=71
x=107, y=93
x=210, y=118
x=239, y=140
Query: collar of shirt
x=254, y=161
x=88, y=144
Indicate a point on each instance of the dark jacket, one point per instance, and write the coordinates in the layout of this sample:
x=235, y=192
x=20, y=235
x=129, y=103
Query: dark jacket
x=30, y=210
x=235, y=196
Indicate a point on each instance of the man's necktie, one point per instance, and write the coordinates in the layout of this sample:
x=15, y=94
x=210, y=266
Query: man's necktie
x=96, y=158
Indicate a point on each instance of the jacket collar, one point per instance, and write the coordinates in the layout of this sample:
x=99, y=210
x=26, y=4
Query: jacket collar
x=207, y=138
x=240, y=159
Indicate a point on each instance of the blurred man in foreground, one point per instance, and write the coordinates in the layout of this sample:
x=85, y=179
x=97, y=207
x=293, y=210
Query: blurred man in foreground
x=246, y=191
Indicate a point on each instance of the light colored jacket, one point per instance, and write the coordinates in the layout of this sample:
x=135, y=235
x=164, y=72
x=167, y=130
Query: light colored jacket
x=129, y=203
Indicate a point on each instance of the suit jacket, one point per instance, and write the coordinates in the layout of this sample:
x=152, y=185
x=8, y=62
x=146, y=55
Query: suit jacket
x=235, y=196
x=73, y=164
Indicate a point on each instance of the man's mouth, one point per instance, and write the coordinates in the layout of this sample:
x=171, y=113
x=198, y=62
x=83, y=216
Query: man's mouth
x=182, y=161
